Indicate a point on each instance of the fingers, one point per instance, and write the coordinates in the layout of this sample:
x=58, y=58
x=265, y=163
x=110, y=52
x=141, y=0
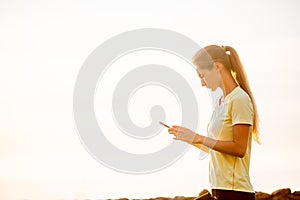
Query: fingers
x=177, y=132
x=173, y=130
x=182, y=133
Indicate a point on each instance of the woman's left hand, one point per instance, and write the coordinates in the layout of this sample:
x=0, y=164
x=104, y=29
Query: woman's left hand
x=182, y=133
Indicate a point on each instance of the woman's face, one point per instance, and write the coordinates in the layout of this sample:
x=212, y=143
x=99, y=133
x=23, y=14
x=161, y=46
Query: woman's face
x=210, y=78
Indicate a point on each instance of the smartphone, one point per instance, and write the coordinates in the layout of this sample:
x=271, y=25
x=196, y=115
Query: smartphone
x=164, y=125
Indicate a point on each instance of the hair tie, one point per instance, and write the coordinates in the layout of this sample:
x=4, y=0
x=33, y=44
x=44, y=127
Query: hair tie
x=225, y=49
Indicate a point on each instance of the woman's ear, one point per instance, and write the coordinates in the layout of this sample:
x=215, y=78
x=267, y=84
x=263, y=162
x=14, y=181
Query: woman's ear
x=220, y=67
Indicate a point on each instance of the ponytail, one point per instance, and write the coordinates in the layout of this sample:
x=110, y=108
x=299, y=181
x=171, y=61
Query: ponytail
x=240, y=76
x=230, y=59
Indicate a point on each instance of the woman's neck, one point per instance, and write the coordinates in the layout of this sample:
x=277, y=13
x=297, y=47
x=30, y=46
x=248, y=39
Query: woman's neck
x=228, y=84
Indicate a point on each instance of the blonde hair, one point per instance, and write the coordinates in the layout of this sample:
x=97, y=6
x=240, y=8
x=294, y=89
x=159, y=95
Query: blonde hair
x=227, y=56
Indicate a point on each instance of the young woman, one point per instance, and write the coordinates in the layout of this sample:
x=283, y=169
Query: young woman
x=233, y=123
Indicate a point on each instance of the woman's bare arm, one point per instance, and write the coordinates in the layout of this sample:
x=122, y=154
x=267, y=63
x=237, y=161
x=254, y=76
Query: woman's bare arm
x=236, y=147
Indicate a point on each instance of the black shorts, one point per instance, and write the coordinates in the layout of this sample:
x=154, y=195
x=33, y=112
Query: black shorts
x=232, y=195
x=226, y=195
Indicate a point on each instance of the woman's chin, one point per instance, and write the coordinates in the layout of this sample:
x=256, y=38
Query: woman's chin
x=213, y=89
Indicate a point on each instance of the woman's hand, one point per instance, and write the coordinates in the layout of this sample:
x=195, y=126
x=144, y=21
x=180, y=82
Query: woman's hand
x=183, y=134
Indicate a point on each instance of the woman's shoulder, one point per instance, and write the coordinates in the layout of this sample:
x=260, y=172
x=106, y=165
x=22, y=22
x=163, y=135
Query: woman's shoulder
x=239, y=94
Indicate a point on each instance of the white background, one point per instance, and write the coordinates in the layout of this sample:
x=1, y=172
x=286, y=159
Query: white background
x=43, y=45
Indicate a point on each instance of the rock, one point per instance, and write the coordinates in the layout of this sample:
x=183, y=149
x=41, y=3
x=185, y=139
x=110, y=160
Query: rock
x=296, y=193
x=282, y=192
x=280, y=198
x=183, y=198
x=204, y=195
x=262, y=196
x=203, y=192
x=161, y=198
x=294, y=197
x=118, y=199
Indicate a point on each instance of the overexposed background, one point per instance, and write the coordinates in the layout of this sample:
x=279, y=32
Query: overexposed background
x=43, y=45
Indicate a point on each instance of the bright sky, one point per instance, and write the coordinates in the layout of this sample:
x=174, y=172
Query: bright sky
x=43, y=45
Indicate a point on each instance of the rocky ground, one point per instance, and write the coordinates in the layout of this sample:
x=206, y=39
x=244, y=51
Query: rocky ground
x=281, y=194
